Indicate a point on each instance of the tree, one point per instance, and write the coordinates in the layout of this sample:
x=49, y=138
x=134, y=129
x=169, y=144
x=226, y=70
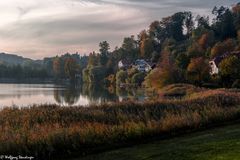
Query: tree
x=154, y=29
x=229, y=69
x=85, y=75
x=221, y=48
x=129, y=48
x=189, y=24
x=182, y=61
x=104, y=51
x=71, y=68
x=195, y=50
x=198, y=70
x=146, y=45
x=236, y=15
x=97, y=74
x=156, y=33
x=129, y=43
x=176, y=26
x=224, y=23
x=121, y=77
x=57, y=66
x=166, y=72
x=93, y=60
x=138, y=78
x=206, y=40
x=202, y=22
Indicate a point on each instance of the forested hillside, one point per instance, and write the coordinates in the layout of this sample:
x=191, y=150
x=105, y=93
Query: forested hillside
x=178, y=48
x=182, y=46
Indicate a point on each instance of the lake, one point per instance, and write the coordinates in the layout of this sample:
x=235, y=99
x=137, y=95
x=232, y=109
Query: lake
x=23, y=95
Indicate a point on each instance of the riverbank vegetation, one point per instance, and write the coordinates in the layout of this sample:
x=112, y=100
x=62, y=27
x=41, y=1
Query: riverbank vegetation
x=50, y=131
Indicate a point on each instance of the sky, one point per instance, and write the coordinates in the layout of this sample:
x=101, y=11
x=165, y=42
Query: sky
x=45, y=28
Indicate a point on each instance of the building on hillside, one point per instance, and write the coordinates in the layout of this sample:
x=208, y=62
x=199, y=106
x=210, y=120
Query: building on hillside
x=142, y=65
x=215, y=62
x=124, y=64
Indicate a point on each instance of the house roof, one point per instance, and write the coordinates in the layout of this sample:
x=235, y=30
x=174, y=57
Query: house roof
x=125, y=62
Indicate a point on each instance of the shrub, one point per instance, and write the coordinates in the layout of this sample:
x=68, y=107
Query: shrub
x=166, y=73
x=85, y=74
x=198, y=70
x=222, y=47
x=138, y=78
x=97, y=74
x=229, y=69
x=121, y=77
x=110, y=80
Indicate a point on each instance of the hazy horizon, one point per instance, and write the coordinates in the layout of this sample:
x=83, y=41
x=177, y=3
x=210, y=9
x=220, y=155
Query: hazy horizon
x=37, y=29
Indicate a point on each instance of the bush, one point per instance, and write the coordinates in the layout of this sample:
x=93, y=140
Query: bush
x=198, y=71
x=121, y=77
x=110, y=80
x=229, y=70
x=97, y=74
x=138, y=78
x=85, y=74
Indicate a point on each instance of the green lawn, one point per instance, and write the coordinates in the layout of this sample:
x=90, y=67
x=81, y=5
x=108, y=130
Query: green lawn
x=215, y=144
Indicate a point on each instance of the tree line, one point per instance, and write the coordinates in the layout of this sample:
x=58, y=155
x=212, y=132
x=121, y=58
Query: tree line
x=181, y=45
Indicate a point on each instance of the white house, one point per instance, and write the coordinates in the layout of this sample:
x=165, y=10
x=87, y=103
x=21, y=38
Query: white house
x=142, y=65
x=120, y=64
x=213, y=68
x=214, y=63
x=124, y=64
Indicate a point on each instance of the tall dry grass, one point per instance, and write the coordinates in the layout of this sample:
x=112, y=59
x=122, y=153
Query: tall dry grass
x=50, y=131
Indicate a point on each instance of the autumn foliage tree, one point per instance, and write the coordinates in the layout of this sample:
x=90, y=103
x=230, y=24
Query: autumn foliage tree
x=166, y=73
x=71, y=68
x=93, y=60
x=221, y=48
x=57, y=67
x=195, y=50
x=146, y=45
x=180, y=45
x=198, y=70
x=206, y=40
x=230, y=69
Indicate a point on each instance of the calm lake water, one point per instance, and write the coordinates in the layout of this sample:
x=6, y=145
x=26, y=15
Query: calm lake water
x=23, y=95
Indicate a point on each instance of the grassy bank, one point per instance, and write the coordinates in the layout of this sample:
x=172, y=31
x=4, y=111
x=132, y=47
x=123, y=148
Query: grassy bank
x=215, y=144
x=51, y=131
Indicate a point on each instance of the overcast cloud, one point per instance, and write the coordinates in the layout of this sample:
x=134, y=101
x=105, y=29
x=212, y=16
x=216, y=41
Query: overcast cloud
x=35, y=28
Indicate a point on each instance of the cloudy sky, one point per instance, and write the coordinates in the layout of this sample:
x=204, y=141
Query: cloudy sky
x=40, y=28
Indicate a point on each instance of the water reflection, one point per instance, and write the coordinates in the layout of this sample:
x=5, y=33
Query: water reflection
x=98, y=94
x=29, y=94
x=68, y=96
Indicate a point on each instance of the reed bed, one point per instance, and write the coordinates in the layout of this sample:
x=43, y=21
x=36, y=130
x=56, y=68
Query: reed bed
x=50, y=131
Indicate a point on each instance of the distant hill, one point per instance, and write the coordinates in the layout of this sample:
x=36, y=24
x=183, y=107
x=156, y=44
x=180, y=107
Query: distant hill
x=11, y=59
